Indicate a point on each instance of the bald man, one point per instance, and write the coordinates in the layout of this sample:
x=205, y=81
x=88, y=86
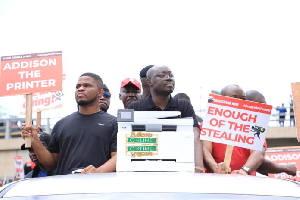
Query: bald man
x=162, y=83
x=243, y=161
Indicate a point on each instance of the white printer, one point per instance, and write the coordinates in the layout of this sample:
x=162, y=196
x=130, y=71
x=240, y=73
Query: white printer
x=154, y=141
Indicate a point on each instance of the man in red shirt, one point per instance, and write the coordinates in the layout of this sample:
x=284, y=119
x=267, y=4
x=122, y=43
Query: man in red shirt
x=243, y=161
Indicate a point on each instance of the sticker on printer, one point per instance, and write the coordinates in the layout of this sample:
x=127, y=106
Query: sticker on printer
x=139, y=144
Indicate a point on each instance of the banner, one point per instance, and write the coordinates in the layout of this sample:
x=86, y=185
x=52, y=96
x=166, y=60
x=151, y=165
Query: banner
x=44, y=101
x=19, y=167
x=235, y=122
x=31, y=73
x=285, y=156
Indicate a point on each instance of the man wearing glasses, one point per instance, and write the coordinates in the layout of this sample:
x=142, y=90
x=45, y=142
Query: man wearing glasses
x=161, y=82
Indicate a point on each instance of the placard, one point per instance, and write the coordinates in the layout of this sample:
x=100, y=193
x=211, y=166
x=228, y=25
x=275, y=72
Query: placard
x=235, y=122
x=31, y=73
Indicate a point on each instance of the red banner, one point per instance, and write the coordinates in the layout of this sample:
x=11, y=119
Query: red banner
x=285, y=156
x=31, y=73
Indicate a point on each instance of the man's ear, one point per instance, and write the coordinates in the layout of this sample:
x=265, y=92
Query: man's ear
x=100, y=92
x=120, y=96
x=149, y=81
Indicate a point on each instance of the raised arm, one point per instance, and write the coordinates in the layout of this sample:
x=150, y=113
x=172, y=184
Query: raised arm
x=47, y=159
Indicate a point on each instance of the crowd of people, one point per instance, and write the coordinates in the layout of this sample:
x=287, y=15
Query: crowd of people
x=86, y=140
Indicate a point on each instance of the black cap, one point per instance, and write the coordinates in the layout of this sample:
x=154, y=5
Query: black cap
x=143, y=72
x=44, y=137
x=105, y=88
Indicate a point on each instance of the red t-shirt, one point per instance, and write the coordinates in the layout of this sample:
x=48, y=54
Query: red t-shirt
x=238, y=158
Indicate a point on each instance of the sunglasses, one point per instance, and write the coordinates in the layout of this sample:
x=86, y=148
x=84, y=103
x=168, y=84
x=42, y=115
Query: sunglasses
x=106, y=95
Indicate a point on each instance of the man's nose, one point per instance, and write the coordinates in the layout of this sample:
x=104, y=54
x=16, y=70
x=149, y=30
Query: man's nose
x=131, y=93
x=80, y=88
x=168, y=77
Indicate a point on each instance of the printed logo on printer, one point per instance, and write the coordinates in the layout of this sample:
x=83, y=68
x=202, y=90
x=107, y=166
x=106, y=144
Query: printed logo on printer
x=139, y=144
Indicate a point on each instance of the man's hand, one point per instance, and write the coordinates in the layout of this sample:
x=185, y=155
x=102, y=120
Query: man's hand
x=220, y=168
x=291, y=169
x=199, y=169
x=39, y=129
x=242, y=172
x=29, y=131
x=91, y=170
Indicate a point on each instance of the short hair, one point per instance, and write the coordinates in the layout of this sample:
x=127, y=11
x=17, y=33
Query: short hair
x=225, y=89
x=96, y=77
x=182, y=96
x=143, y=72
x=105, y=88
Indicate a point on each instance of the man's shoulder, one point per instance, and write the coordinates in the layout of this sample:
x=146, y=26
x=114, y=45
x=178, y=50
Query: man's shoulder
x=70, y=115
x=183, y=101
x=184, y=104
x=186, y=108
x=66, y=118
x=107, y=116
x=137, y=105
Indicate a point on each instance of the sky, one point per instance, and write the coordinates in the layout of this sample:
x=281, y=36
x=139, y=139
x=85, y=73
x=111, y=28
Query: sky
x=207, y=44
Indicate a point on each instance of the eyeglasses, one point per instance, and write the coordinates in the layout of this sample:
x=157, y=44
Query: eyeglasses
x=163, y=75
x=106, y=95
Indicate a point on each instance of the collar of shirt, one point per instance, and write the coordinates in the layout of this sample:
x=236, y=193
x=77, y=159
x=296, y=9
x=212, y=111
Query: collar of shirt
x=173, y=103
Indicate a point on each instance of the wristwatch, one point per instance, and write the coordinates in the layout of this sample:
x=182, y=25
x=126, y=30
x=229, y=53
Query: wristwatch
x=246, y=169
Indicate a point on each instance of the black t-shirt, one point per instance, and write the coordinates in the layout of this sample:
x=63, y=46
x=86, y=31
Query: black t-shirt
x=83, y=140
x=174, y=104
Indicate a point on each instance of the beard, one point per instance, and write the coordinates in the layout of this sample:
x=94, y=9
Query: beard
x=87, y=102
x=104, y=108
x=166, y=92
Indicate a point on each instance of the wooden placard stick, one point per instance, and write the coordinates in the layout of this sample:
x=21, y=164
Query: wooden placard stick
x=296, y=104
x=28, y=120
x=38, y=121
x=227, y=158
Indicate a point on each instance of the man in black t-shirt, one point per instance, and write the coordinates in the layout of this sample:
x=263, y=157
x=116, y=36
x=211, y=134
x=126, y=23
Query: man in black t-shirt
x=161, y=82
x=86, y=139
